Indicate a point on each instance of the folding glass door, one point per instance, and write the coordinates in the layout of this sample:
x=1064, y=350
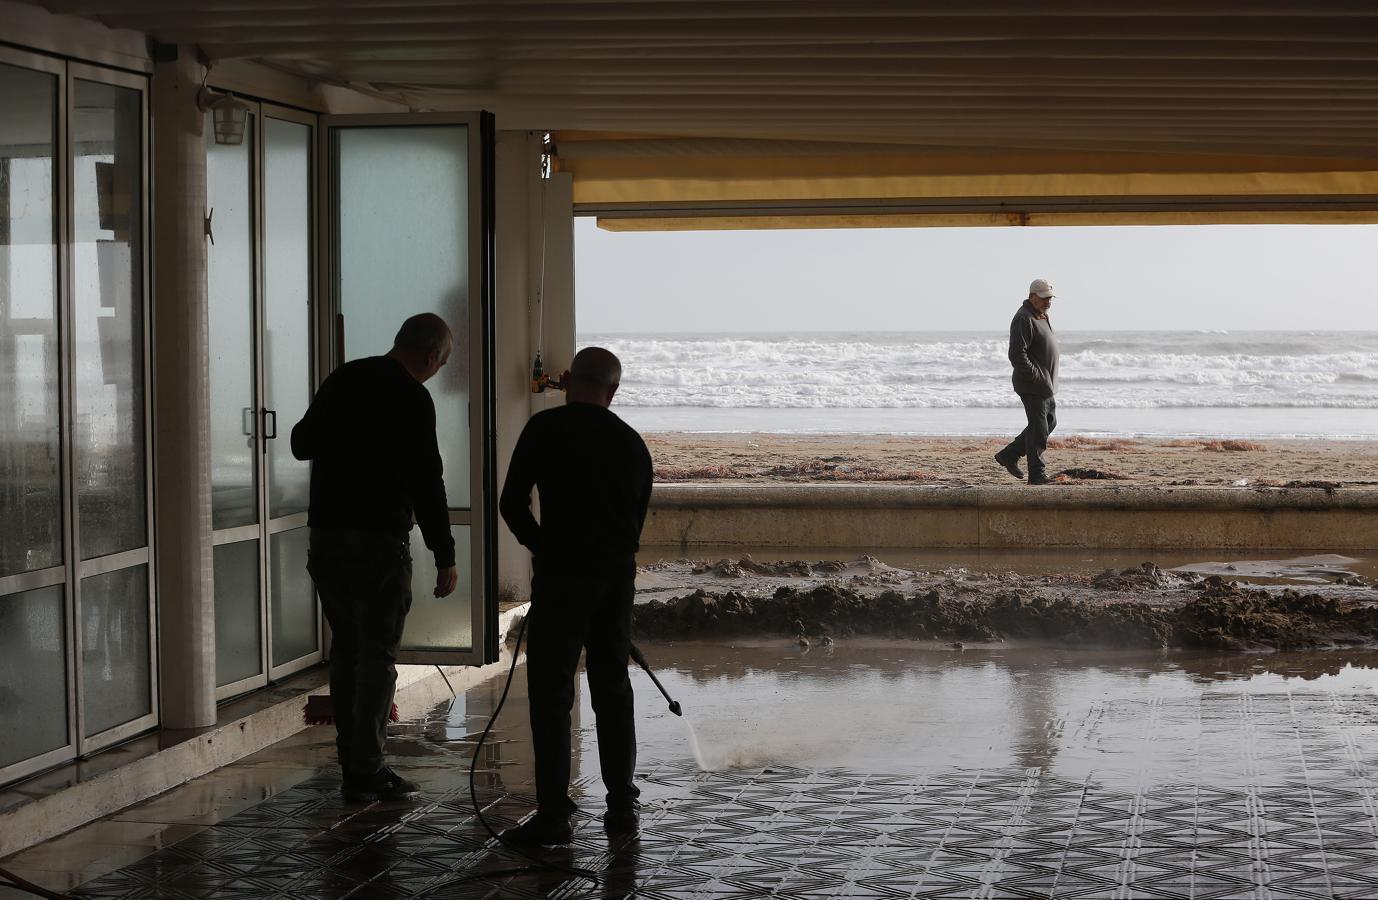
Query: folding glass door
x=405, y=234
x=259, y=209
x=77, y=632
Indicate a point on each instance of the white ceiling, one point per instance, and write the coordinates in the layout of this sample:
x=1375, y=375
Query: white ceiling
x=1262, y=77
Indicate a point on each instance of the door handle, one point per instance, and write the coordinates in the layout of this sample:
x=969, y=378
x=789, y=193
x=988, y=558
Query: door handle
x=270, y=432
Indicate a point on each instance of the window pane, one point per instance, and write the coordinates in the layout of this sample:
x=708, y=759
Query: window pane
x=33, y=674
x=287, y=303
x=293, y=598
x=107, y=289
x=114, y=648
x=404, y=249
x=238, y=627
x=439, y=624
x=30, y=489
x=230, y=296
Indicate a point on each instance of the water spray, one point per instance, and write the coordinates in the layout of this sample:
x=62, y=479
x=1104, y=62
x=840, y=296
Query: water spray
x=641, y=661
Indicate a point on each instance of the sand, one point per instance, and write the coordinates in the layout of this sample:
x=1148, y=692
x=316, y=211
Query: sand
x=765, y=458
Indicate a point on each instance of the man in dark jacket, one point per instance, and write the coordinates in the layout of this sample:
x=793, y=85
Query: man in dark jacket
x=593, y=475
x=370, y=433
x=1033, y=353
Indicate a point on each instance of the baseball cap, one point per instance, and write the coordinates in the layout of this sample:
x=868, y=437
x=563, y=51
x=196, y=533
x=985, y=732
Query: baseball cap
x=1041, y=287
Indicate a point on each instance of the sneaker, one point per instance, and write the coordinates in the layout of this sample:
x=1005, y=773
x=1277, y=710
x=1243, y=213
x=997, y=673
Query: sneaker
x=622, y=819
x=540, y=831
x=384, y=785
x=1039, y=478
x=1011, y=466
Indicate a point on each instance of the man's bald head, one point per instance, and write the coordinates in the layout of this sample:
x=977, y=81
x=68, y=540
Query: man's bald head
x=594, y=375
x=422, y=345
x=423, y=333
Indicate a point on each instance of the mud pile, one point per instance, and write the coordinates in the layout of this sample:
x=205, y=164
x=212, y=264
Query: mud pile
x=1219, y=614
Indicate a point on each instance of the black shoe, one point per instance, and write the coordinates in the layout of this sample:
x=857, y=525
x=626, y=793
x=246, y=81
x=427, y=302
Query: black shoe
x=540, y=831
x=1011, y=466
x=1039, y=478
x=623, y=819
x=384, y=785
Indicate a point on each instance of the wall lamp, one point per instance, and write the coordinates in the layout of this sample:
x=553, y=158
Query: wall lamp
x=229, y=114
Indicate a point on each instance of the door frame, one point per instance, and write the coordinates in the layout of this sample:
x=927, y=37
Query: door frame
x=265, y=527
x=330, y=349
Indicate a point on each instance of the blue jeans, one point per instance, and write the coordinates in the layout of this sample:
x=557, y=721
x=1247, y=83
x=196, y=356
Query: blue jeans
x=1041, y=413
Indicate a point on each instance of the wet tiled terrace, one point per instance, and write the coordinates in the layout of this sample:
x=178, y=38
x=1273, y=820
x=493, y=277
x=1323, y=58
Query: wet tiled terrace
x=979, y=775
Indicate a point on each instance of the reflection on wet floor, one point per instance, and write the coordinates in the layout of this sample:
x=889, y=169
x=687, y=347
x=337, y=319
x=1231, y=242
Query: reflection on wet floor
x=876, y=770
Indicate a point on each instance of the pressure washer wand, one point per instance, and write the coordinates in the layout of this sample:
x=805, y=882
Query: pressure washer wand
x=641, y=661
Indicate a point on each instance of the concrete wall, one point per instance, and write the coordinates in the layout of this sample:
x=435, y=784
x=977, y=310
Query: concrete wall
x=1085, y=516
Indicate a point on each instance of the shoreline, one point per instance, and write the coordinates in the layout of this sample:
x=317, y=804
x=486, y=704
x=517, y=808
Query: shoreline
x=760, y=457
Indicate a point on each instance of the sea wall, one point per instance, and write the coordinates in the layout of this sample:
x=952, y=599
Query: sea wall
x=1013, y=517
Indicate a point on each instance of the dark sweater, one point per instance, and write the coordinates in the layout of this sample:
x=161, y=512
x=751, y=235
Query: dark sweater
x=370, y=434
x=1033, y=353
x=593, y=474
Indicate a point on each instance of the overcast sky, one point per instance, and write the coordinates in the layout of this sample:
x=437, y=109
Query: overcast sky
x=936, y=279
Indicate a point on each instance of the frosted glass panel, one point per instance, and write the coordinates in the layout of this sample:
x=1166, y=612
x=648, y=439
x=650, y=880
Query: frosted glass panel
x=293, y=598
x=33, y=674
x=114, y=648
x=238, y=621
x=439, y=624
x=403, y=248
x=30, y=486
x=287, y=303
x=107, y=292
x=230, y=294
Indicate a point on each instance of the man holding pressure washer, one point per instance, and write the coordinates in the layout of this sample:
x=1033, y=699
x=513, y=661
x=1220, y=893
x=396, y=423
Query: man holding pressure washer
x=593, y=475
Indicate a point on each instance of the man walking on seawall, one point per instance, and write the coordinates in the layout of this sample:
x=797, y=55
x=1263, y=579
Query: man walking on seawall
x=1033, y=353
x=593, y=474
x=370, y=433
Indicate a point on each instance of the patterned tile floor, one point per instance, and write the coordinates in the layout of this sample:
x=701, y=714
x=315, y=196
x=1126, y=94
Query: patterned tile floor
x=1150, y=782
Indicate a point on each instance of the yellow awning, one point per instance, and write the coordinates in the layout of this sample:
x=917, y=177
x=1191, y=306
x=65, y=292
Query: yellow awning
x=652, y=183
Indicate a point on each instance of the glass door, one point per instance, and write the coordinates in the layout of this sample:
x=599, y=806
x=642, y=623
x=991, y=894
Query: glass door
x=259, y=200
x=405, y=235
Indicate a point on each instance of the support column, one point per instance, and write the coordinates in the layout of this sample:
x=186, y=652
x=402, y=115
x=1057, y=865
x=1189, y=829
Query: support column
x=536, y=219
x=182, y=485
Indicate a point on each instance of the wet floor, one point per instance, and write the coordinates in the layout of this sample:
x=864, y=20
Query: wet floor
x=873, y=770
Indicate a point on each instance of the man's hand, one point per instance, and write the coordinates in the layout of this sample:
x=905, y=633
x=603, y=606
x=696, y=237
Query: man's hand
x=445, y=581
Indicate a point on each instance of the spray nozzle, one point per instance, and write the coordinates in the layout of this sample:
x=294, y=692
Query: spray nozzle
x=641, y=661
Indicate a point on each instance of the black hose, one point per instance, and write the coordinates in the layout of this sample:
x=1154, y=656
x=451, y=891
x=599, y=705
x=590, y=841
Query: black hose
x=9, y=879
x=541, y=865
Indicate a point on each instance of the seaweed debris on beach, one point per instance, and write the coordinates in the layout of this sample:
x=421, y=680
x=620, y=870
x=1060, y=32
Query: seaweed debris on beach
x=1143, y=606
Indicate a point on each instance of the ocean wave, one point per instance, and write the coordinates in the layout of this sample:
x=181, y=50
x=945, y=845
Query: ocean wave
x=1099, y=370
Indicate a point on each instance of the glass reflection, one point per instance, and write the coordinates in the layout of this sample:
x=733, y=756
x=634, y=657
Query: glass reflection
x=30, y=486
x=287, y=303
x=107, y=291
x=33, y=674
x=230, y=306
x=115, y=675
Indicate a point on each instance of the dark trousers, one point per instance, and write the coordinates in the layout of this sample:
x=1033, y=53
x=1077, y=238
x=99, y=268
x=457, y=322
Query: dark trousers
x=364, y=582
x=1041, y=413
x=570, y=615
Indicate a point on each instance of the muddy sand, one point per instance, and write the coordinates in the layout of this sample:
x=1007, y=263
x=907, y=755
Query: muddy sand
x=766, y=458
x=818, y=604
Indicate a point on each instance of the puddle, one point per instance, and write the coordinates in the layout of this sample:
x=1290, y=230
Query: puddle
x=878, y=706
x=1322, y=569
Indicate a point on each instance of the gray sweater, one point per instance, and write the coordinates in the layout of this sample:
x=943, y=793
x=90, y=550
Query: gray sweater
x=1033, y=353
